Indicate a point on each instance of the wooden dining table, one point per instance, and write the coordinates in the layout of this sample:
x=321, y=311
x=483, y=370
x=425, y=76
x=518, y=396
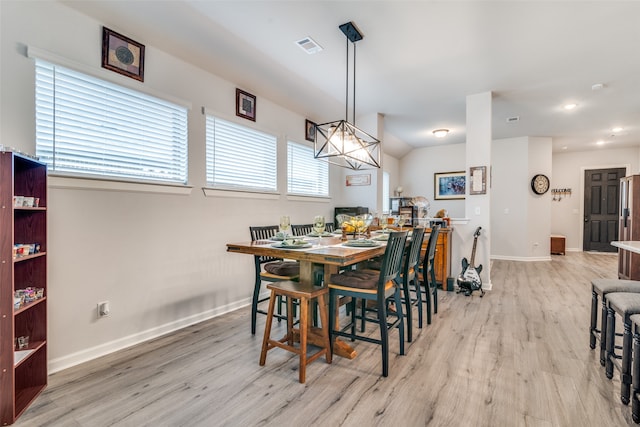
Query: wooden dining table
x=328, y=252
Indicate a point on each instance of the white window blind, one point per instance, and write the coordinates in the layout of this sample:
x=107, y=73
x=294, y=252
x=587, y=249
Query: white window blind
x=90, y=126
x=306, y=174
x=240, y=157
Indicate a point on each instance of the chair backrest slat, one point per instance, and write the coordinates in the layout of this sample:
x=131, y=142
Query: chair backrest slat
x=430, y=253
x=413, y=257
x=301, y=229
x=263, y=233
x=392, y=258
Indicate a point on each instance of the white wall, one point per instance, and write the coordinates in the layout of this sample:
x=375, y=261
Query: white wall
x=417, y=170
x=160, y=259
x=568, y=172
x=509, y=194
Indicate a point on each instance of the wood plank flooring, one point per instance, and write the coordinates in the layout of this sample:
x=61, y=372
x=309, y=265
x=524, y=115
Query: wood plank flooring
x=517, y=357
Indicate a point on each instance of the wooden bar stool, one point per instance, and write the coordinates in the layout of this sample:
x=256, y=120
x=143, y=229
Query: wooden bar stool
x=305, y=293
x=602, y=287
x=635, y=369
x=625, y=304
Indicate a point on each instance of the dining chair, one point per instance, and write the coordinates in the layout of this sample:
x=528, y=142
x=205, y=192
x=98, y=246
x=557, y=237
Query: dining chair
x=301, y=229
x=378, y=286
x=330, y=227
x=269, y=269
x=412, y=293
x=427, y=274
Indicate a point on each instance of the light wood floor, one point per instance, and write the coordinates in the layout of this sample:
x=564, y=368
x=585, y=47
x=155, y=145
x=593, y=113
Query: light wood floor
x=517, y=357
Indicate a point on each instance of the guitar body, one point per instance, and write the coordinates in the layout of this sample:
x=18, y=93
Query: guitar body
x=469, y=279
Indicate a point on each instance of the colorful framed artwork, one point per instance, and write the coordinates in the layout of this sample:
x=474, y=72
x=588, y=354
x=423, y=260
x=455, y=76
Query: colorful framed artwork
x=449, y=185
x=245, y=105
x=309, y=131
x=122, y=55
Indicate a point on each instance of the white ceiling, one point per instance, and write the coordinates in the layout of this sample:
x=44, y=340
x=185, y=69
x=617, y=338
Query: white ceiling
x=417, y=62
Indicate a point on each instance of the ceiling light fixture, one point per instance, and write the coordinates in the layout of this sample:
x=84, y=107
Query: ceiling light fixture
x=600, y=142
x=440, y=133
x=616, y=129
x=340, y=142
x=570, y=106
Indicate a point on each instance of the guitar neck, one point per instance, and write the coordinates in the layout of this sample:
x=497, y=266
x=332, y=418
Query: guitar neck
x=473, y=252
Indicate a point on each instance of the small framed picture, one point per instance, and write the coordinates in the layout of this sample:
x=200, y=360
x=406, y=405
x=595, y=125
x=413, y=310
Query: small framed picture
x=122, y=55
x=478, y=180
x=449, y=185
x=309, y=131
x=245, y=105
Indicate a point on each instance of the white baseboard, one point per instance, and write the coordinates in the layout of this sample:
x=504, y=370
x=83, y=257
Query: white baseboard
x=88, y=354
x=517, y=258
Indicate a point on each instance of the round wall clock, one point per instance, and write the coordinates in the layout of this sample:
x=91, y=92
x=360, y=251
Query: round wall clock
x=540, y=184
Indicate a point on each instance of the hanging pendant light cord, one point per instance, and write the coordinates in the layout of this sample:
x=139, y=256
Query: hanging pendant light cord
x=354, y=84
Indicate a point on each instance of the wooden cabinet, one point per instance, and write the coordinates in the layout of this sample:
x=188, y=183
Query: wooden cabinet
x=442, y=260
x=23, y=274
x=629, y=226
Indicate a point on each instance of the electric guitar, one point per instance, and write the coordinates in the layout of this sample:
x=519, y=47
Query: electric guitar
x=469, y=280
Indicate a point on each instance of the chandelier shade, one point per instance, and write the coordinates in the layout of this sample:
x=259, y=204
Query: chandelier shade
x=343, y=144
x=340, y=142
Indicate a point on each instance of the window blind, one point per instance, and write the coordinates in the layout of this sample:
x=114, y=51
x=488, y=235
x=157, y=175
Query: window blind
x=90, y=126
x=306, y=174
x=240, y=157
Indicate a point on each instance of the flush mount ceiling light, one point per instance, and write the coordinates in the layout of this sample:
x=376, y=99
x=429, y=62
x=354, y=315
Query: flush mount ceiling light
x=340, y=142
x=617, y=129
x=441, y=133
x=570, y=106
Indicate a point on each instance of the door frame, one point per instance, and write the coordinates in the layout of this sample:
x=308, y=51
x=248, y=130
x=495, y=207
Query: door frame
x=583, y=169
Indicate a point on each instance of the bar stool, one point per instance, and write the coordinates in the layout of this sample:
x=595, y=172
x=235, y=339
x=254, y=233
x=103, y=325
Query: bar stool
x=625, y=304
x=635, y=369
x=305, y=293
x=603, y=287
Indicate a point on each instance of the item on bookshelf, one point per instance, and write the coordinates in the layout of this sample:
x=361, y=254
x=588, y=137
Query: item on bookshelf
x=18, y=201
x=23, y=342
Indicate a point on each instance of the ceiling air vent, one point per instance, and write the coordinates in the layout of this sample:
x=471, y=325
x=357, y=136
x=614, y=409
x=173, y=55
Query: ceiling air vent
x=309, y=45
x=513, y=119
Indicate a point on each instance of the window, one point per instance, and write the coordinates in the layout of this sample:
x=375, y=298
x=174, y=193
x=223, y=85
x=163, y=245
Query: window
x=306, y=175
x=90, y=126
x=385, y=192
x=240, y=157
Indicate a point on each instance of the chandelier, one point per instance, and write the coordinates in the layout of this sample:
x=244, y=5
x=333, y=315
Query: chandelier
x=340, y=142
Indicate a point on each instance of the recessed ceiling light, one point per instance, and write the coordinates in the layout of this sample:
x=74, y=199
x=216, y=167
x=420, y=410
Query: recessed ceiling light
x=601, y=142
x=565, y=147
x=441, y=133
x=616, y=129
x=570, y=106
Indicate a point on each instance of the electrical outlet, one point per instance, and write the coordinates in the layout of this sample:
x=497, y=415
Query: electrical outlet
x=103, y=309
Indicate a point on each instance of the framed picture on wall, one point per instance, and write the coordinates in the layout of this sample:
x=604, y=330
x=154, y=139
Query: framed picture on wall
x=245, y=105
x=309, y=131
x=122, y=55
x=449, y=185
x=478, y=180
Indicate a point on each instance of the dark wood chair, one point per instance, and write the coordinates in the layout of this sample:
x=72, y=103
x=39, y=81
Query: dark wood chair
x=372, y=285
x=601, y=288
x=268, y=269
x=301, y=229
x=412, y=293
x=427, y=275
x=625, y=304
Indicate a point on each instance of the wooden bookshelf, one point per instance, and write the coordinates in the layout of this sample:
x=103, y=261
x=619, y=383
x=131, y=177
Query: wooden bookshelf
x=23, y=372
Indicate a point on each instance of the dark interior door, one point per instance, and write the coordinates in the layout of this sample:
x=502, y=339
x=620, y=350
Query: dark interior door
x=601, y=204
